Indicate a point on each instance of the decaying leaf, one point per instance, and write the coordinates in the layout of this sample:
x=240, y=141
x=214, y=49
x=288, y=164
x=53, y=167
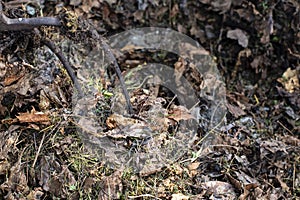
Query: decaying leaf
x=218, y=5
x=112, y=186
x=11, y=79
x=35, y=194
x=290, y=80
x=193, y=168
x=33, y=117
x=271, y=147
x=247, y=181
x=239, y=35
x=56, y=178
x=219, y=188
x=109, y=1
x=236, y=111
x=4, y=167
x=180, y=113
x=44, y=101
x=75, y=2
x=17, y=182
x=283, y=185
x=118, y=121
x=23, y=84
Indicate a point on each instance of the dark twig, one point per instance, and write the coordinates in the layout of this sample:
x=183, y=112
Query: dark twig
x=119, y=74
x=22, y=24
x=65, y=63
x=108, y=51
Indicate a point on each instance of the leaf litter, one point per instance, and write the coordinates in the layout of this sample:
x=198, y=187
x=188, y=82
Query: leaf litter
x=254, y=155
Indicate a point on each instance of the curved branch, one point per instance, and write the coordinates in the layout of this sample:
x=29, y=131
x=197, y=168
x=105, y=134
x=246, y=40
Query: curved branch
x=65, y=63
x=22, y=24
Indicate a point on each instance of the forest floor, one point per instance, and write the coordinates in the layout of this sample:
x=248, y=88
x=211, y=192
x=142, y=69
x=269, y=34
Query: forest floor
x=58, y=145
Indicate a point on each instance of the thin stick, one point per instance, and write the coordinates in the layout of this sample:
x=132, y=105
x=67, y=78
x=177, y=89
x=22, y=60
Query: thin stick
x=107, y=50
x=119, y=74
x=39, y=150
x=23, y=24
x=42, y=142
x=65, y=63
x=143, y=195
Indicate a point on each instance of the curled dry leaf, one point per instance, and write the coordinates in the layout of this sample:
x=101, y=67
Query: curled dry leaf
x=118, y=121
x=177, y=169
x=193, y=168
x=169, y=183
x=44, y=101
x=290, y=80
x=219, y=188
x=236, y=111
x=180, y=113
x=239, y=35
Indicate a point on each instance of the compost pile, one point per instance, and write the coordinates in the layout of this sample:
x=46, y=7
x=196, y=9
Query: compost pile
x=58, y=144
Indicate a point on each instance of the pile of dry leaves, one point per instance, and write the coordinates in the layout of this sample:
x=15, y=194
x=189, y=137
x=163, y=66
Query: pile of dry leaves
x=50, y=151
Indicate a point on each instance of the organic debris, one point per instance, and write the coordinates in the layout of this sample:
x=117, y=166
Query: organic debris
x=58, y=145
